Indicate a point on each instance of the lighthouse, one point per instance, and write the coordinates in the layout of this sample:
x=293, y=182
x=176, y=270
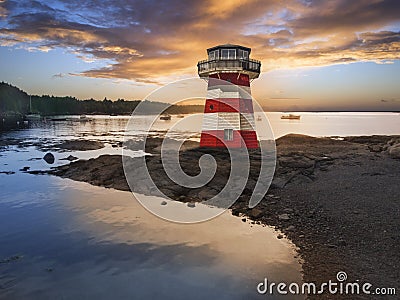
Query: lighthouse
x=228, y=119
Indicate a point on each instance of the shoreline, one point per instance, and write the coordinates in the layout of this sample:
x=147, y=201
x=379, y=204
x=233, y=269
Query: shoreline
x=336, y=200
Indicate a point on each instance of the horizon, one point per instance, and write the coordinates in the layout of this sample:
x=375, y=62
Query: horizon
x=315, y=56
x=202, y=102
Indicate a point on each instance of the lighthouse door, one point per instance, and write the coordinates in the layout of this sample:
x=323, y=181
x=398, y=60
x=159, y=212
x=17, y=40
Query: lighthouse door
x=228, y=134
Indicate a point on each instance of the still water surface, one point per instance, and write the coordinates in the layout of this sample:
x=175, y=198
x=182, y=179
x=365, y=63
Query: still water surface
x=77, y=241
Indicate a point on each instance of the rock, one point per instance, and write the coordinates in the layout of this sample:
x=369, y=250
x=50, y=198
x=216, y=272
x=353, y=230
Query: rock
x=280, y=236
x=290, y=228
x=278, y=183
x=296, y=162
x=24, y=169
x=394, y=151
x=7, y=172
x=283, y=217
x=164, y=203
x=70, y=158
x=206, y=194
x=49, y=158
x=375, y=148
x=191, y=204
x=342, y=243
x=244, y=220
x=256, y=213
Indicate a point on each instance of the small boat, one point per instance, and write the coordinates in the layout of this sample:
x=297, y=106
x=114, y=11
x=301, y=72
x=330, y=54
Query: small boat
x=33, y=117
x=84, y=118
x=165, y=117
x=58, y=119
x=290, y=117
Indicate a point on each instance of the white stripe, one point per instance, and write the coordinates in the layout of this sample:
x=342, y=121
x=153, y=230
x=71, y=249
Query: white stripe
x=221, y=121
x=247, y=121
x=228, y=120
x=230, y=91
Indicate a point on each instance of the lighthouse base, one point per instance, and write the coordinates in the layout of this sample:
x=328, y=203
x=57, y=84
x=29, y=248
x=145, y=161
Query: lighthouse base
x=240, y=138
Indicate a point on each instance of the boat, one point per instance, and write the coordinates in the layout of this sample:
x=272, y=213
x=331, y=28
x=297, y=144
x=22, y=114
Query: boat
x=32, y=116
x=290, y=117
x=57, y=119
x=84, y=118
x=165, y=117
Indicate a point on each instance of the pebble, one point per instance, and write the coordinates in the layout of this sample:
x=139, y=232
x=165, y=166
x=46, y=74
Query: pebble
x=283, y=217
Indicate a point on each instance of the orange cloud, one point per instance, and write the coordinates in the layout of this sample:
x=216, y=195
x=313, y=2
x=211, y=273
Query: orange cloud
x=146, y=42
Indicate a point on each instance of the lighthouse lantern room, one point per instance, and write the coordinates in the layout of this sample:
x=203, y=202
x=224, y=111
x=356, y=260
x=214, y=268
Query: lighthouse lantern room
x=228, y=113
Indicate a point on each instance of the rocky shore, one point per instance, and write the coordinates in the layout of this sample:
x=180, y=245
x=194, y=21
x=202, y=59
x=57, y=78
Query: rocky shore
x=336, y=199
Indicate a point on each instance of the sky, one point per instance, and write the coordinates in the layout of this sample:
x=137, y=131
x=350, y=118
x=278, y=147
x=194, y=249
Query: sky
x=315, y=54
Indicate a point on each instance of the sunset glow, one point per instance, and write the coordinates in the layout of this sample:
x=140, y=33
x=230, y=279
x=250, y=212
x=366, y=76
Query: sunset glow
x=316, y=55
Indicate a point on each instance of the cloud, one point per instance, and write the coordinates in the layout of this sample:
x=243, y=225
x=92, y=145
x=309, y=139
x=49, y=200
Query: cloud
x=390, y=100
x=285, y=98
x=59, y=75
x=148, y=40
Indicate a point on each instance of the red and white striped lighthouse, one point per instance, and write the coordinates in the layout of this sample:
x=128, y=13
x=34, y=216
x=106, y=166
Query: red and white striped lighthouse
x=228, y=114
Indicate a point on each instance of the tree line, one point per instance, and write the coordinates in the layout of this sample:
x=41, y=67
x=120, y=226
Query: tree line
x=15, y=101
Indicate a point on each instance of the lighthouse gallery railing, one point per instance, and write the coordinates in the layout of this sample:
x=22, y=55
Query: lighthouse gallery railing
x=251, y=65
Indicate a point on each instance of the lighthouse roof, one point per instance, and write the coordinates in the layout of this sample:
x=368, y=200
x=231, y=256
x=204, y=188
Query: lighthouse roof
x=230, y=46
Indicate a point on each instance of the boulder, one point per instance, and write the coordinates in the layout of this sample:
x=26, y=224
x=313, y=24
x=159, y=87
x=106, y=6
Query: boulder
x=256, y=213
x=49, y=158
x=394, y=151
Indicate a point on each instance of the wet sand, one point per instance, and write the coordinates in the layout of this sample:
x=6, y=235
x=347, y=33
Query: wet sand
x=336, y=199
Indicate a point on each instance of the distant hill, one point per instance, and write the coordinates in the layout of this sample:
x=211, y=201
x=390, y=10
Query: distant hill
x=15, y=101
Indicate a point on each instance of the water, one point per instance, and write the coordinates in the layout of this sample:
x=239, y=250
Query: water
x=77, y=241
x=337, y=124
x=112, y=128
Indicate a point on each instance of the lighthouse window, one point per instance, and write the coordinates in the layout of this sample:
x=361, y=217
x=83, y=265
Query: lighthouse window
x=243, y=54
x=228, y=134
x=211, y=55
x=228, y=53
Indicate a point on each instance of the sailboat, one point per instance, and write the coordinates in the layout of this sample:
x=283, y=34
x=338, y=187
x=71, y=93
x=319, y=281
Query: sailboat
x=32, y=116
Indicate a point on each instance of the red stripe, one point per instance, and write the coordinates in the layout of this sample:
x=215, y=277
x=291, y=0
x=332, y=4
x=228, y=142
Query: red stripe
x=241, y=138
x=229, y=105
x=229, y=78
